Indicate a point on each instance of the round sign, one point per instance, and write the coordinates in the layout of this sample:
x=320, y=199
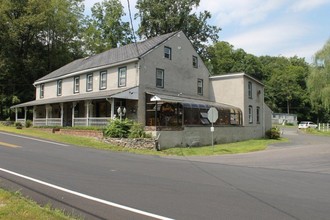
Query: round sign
x=212, y=114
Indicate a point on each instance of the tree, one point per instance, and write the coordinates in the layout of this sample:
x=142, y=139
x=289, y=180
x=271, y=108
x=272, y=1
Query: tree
x=36, y=38
x=105, y=29
x=319, y=82
x=159, y=17
x=223, y=59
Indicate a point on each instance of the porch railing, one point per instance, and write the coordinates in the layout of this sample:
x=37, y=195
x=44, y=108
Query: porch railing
x=47, y=122
x=97, y=122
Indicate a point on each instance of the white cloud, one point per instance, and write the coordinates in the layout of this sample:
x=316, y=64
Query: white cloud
x=306, y=5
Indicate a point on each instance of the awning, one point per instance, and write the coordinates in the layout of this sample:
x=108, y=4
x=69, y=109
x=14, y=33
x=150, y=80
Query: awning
x=125, y=93
x=190, y=102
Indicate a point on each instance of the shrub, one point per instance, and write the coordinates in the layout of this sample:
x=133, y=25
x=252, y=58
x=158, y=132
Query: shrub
x=273, y=133
x=28, y=123
x=137, y=131
x=118, y=128
x=18, y=125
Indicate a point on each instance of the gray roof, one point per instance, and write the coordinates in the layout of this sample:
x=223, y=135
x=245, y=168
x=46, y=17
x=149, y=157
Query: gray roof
x=77, y=97
x=109, y=57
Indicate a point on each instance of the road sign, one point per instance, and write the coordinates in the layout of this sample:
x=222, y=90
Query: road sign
x=212, y=114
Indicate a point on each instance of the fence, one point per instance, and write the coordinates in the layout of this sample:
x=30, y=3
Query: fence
x=324, y=127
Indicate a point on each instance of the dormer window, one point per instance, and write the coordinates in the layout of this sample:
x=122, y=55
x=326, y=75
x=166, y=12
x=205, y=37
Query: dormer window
x=168, y=52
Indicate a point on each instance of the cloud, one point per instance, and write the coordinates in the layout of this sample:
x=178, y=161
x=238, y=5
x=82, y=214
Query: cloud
x=307, y=5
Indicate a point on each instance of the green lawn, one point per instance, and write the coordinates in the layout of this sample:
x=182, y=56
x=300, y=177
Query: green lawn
x=14, y=206
x=231, y=148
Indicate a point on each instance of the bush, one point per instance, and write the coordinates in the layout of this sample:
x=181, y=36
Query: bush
x=18, y=125
x=28, y=123
x=137, y=131
x=273, y=133
x=118, y=128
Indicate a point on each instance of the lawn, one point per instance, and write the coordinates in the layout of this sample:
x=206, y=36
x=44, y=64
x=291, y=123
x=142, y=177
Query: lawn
x=230, y=148
x=14, y=206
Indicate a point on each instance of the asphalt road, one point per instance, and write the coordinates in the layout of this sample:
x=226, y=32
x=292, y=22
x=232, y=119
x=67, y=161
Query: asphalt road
x=287, y=181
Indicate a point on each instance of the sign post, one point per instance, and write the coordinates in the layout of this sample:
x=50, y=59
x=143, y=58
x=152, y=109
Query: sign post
x=212, y=115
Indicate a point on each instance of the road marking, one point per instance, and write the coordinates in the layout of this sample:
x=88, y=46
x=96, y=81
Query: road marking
x=8, y=145
x=87, y=196
x=34, y=139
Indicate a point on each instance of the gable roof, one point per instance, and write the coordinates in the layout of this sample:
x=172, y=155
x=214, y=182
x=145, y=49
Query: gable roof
x=109, y=57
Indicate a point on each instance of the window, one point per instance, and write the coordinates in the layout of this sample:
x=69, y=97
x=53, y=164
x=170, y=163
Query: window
x=195, y=61
x=160, y=78
x=250, y=114
x=122, y=76
x=168, y=53
x=76, y=83
x=250, y=89
x=59, y=87
x=200, y=87
x=258, y=115
x=103, y=80
x=42, y=90
x=89, y=82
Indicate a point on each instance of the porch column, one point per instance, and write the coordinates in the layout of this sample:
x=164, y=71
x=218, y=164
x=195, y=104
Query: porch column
x=48, y=107
x=74, y=104
x=112, y=108
x=62, y=113
x=25, y=114
x=34, y=115
x=16, y=114
x=87, y=103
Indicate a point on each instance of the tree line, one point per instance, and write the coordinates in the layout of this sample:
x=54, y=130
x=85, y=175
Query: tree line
x=39, y=36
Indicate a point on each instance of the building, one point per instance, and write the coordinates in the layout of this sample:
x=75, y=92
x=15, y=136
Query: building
x=162, y=83
x=284, y=118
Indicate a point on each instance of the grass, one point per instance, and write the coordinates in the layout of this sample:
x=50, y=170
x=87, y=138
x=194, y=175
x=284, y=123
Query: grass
x=317, y=132
x=14, y=206
x=231, y=148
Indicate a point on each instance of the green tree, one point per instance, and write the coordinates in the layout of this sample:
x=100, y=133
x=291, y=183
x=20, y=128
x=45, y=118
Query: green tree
x=159, y=17
x=319, y=82
x=105, y=29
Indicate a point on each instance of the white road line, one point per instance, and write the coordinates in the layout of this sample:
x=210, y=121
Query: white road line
x=34, y=139
x=87, y=196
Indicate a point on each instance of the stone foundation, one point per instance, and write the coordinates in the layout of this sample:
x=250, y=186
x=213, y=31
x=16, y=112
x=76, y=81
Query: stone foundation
x=134, y=143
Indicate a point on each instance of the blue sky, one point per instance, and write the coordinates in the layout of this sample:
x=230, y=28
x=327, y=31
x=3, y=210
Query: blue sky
x=266, y=27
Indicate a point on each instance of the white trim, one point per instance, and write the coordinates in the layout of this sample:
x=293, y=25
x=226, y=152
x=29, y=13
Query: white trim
x=235, y=75
x=85, y=71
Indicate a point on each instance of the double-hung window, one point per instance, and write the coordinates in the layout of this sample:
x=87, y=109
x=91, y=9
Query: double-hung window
x=122, y=73
x=42, y=90
x=59, y=87
x=168, y=53
x=258, y=115
x=200, y=87
x=89, y=82
x=250, y=114
x=76, y=84
x=195, y=61
x=250, y=90
x=103, y=80
x=159, y=78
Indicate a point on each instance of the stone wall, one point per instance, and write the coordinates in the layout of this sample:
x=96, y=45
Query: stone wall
x=134, y=143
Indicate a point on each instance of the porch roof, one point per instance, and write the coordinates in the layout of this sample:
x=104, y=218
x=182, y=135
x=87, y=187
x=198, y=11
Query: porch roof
x=128, y=93
x=190, y=101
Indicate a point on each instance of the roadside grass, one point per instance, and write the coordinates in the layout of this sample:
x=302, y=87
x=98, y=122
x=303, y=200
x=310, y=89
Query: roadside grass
x=230, y=148
x=317, y=132
x=14, y=206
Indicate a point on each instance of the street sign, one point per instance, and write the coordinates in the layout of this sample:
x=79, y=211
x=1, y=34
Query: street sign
x=212, y=114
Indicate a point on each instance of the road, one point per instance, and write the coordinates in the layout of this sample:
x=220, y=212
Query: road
x=286, y=181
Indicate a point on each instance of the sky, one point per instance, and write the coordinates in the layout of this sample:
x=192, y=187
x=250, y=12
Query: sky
x=265, y=27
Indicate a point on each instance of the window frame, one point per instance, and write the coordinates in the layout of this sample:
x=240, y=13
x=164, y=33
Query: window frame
x=59, y=87
x=76, y=85
x=200, y=89
x=120, y=76
x=103, y=80
x=168, y=55
x=250, y=114
x=250, y=90
x=195, y=61
x=89, y=83
x=258, y=115
x=162, y=71
x=42, y=90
